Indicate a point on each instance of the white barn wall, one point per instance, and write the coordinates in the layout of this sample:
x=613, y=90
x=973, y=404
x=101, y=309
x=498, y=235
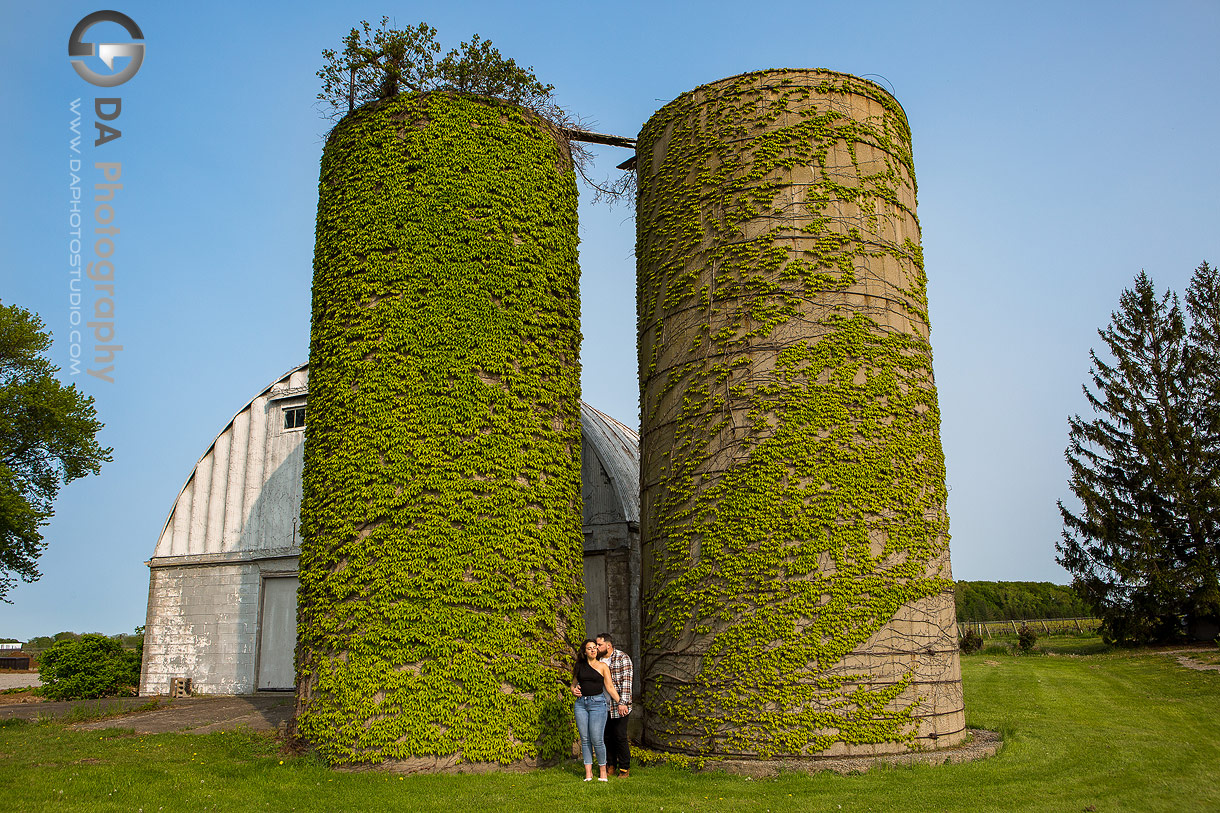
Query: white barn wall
x=235, y=523
x=201, y=625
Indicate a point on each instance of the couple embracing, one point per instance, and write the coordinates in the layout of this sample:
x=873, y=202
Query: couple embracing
x=601, y=682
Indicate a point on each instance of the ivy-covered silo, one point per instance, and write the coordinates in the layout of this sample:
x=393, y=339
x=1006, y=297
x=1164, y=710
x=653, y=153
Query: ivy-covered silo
x=797, y=595
x=440, y=571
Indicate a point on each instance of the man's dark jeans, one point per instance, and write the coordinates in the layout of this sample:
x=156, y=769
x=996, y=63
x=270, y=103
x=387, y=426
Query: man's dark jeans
x=618, y=750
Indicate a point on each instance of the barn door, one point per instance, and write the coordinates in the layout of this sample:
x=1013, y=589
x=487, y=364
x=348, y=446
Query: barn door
x=597, y=619
x=277, y=634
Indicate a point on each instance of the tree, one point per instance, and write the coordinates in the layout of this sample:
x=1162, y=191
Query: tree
x=479, y=68
x=1142, y=547
x=47, y=438
x=375, y=64
x=378, y=63
x=1203, y=305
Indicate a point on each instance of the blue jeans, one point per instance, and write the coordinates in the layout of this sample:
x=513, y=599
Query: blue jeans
x=591, y=714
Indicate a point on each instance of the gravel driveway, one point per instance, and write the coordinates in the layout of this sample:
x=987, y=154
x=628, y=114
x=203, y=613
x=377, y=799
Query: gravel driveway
x=18, y=680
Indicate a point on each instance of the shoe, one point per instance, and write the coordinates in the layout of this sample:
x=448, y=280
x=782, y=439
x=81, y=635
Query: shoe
x=623, y=773
x=588, y=779
x=602, y=779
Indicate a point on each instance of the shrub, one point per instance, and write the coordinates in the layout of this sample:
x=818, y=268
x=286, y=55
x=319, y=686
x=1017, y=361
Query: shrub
x=971, y=642
x=94, y=666
x=1026, y=638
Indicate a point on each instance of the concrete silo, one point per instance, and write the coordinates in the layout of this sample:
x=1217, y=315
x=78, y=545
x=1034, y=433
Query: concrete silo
x=797, y=594
x=440, y=570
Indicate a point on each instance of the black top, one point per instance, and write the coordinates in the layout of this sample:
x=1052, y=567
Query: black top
x=591, y=681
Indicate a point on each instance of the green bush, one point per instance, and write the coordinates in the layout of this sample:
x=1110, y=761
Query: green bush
x=971, y=642
x=94, y=666
x=1026, y=638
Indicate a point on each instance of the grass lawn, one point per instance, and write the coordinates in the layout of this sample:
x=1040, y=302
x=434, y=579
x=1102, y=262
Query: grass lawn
x=1113, y=731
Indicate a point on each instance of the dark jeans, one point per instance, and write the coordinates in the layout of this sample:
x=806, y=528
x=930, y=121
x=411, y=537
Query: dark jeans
x=618, y=750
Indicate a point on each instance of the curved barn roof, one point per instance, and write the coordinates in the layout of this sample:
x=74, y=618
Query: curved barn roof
x=243, y=498
x=618, y=449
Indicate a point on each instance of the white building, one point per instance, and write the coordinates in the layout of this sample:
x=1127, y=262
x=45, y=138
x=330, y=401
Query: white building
x=222, y=586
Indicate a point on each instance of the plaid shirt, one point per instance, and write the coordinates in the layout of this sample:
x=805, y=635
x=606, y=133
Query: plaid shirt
x=620, y=674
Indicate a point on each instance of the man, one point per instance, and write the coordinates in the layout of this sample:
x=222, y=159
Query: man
x=618, y=749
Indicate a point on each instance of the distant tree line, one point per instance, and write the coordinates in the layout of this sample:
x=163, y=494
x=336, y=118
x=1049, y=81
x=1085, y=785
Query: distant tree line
x=42, y=642
x=1005, y=601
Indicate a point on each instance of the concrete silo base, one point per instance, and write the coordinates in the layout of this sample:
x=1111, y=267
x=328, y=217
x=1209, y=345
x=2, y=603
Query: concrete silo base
x=978, y=744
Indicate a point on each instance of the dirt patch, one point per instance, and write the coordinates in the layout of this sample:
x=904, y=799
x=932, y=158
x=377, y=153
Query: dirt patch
x=37, y=708
x=1194, y=658
x=26, y=696
x=206, y=715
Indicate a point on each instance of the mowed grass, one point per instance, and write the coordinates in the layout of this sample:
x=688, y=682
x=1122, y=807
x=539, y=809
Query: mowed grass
x=1118, y=731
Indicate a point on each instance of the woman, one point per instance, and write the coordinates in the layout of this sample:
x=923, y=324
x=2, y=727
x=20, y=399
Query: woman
x=592, y=678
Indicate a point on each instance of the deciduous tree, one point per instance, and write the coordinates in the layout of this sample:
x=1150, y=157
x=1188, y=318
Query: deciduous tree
x=48, y=437
x=378, y=63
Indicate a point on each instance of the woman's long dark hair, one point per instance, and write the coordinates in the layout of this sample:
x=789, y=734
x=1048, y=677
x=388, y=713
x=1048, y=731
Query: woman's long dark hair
x=580, y=655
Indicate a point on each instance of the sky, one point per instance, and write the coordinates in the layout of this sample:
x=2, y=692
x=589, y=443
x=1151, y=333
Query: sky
x=1060, y=148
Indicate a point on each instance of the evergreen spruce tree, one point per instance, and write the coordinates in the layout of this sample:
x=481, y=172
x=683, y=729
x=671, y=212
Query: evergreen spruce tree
x=1141, y=547
x=1203, y=571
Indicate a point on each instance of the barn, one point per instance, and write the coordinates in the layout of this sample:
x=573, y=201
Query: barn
x=223, y=575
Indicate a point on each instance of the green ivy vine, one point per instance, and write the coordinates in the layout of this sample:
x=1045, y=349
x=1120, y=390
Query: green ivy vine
x=793, y=478
x=440, y=572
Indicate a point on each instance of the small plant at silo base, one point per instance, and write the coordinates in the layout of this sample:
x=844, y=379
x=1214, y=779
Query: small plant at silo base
x=971, y=642
x=1026, y=638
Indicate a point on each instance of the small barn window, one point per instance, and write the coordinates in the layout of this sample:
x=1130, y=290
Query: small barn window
x=294, y=417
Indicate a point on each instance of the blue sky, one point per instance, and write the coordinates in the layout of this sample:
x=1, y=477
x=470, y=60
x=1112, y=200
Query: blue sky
x=1060, y=148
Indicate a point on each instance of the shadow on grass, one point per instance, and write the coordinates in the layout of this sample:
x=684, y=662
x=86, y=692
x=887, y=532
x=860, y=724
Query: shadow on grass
x=1075, y=645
